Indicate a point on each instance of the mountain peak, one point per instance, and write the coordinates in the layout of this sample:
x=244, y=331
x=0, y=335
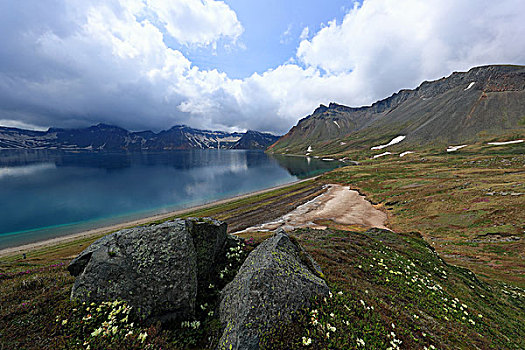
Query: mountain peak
x=107, y=126
x=321, y=109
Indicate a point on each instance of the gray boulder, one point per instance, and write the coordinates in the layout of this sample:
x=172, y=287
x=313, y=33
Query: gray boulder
x=276, y=279
x=156, y=269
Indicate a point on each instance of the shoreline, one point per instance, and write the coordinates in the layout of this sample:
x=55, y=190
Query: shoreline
x=24, y=248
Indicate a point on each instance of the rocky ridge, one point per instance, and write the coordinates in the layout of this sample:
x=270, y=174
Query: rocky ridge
x=485, y=101
x=103, y=137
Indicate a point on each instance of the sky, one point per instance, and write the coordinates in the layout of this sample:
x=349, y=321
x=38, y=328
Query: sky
x=234, y=65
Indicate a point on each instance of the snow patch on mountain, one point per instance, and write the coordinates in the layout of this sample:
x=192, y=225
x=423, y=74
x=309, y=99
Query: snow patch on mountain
x=395, y=140
x=469, y=86
x=455, y=148
x=381, y=155
x=504, y=143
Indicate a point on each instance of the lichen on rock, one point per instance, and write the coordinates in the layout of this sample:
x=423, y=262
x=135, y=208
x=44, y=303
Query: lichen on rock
x=157, y=269
x=277, y=279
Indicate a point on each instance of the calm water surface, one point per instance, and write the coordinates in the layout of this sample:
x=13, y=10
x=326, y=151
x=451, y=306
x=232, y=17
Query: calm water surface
x=46, y=194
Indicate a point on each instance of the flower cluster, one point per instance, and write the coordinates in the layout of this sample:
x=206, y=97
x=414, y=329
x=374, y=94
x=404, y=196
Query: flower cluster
x=394, y=342
x=307, y=341
x=234, y=253
x=235, y=257
x=192, y=325
x=117, y=318
x=400, y=272
x=104, y=323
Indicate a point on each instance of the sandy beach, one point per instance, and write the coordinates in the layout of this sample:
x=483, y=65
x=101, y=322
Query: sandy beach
x=107, y=229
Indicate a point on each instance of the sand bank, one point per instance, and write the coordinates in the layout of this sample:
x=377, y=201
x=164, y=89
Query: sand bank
x=339, y=204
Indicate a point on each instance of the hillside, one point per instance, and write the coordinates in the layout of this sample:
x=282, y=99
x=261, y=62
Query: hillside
x=104, y=137
x=484, y=102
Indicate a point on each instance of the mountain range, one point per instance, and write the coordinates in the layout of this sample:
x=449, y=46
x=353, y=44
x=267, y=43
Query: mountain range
x=483, y=103
x=105, y=137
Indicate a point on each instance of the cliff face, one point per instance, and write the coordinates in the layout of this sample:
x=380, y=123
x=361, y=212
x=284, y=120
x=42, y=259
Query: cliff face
x=485, y=100
x=108, y=137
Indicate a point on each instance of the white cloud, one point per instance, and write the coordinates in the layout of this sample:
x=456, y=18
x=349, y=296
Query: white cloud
x=66, y=63
x=304, y=33
x=197, y=21
x=379, y=48
x=286, y=35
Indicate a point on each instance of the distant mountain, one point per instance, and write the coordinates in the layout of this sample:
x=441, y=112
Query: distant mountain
x=112, y=138
x=484, y=102
x=255, y=140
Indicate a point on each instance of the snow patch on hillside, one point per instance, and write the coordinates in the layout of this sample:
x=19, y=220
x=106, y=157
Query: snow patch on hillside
x=395, y=140
x=455, y=148
x=504, y=143
x=469, y=86
x=405, y=153
x=337, y=124
x=381, y=155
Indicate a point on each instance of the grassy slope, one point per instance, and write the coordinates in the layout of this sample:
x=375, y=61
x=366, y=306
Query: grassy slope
x=407, y=296
x=393, y=289
x=465, y=204
x=467, y=207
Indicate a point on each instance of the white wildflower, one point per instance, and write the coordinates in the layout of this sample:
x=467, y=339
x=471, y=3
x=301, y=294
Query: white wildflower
x=96, y=332
x=307, y=341
x=142, y=337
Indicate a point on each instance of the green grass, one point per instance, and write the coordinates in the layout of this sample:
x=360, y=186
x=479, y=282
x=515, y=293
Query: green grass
x=391, y=290
x=452, y=199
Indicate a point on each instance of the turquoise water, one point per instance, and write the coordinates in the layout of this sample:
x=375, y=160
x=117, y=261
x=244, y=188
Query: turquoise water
x=47, y=194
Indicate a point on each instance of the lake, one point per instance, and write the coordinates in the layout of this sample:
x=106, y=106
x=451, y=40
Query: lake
x=45, y=194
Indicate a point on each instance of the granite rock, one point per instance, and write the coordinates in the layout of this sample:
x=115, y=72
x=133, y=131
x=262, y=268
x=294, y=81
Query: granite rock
x=277, y=279
x=156, y=269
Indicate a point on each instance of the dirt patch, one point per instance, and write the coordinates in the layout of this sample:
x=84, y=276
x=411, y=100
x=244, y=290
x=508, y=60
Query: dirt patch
x=270, y=209
x=338, y=204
